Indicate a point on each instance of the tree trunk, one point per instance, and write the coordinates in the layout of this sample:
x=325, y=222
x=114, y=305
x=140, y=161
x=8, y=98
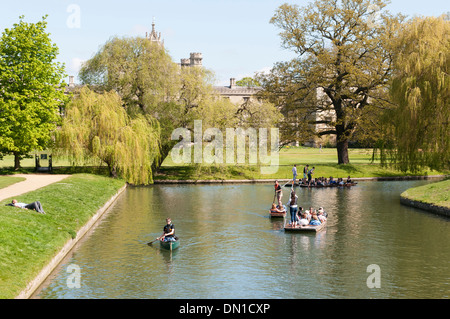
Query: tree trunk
x=342, y=150
x=16, y=161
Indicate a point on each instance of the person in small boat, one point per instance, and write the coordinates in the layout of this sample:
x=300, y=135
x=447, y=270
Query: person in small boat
x=308, y=216
x=321, y=216
x=169, y=232
x=299, y=212
x=315, y=220
x=340, y=182
x=323, y=212
x=304, y=220
x=277, y=209
x=349, y=180
x=292, y=203
x=320, y=182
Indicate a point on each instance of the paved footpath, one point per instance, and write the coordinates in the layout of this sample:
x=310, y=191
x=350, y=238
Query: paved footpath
x=32, y=182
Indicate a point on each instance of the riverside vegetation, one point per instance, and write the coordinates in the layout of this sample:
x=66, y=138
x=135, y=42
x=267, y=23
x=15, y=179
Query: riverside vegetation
x=30, y=240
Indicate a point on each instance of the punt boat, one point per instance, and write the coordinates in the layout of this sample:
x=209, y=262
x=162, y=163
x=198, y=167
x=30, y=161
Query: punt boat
x=276, y=215
x=170, y=245
x=308, y=228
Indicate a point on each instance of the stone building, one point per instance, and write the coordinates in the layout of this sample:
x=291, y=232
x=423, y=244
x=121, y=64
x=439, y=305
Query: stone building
x=237, y=94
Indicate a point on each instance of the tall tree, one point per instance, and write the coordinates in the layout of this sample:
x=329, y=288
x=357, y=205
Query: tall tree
x=342, y=66
x=421, y=91
x=248, y=82
x=31, y=89
x=97, y=129
x=149, y=82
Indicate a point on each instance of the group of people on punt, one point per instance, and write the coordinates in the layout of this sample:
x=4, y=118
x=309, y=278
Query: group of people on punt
x=298, y=216
x=319, y=181
x=323, y=181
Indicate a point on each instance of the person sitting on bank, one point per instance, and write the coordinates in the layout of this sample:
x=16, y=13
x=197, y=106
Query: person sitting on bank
x=33, y=206
x=169, y=232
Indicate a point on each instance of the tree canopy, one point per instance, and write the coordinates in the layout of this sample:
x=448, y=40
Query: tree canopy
x=150, y=83
x=420, y=90
x=343, y=66
x=31, y=88
x=97, y=129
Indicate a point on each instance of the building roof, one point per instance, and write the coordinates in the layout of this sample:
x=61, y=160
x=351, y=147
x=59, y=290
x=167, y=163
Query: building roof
x=237, y=90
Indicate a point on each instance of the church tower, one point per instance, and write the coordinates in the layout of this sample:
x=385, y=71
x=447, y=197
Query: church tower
x=154, y=36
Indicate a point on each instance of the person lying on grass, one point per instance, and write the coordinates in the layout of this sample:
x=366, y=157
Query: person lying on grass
x=34, y=206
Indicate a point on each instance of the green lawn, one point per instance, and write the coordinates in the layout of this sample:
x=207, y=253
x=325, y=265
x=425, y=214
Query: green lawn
x=325, y=162
x=29, y=240
x=436, y=193
x=6, y=181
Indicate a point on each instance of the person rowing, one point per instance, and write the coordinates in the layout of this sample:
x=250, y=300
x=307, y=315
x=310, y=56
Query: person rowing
x=169, y=232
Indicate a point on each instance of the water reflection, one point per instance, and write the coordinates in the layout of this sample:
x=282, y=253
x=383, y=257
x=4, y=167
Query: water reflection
x=230, y=248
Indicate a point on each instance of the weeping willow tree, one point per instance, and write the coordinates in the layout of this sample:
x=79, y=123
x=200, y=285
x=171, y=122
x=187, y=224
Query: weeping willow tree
x=421, y=91
x=98, y=130
x=150, y=83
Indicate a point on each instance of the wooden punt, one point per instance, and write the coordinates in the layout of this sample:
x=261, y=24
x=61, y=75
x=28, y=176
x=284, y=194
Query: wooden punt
x=170, y=245
x=277, y=215
x=332, y=185
x=308, y=228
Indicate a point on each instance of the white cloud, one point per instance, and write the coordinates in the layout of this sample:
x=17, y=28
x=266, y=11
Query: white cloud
x=75, y=66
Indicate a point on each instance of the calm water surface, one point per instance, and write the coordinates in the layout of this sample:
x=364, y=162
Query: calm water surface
x=231, y=248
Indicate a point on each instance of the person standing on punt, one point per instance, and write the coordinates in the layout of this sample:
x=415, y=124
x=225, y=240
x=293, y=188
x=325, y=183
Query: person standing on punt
x=278, y=192
x=294, y=174
x=305, y=171
x=310, y=172
x=169, y=231
x=293, y=208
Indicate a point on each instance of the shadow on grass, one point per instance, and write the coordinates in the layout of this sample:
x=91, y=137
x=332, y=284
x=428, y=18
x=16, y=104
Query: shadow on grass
x=96, y=170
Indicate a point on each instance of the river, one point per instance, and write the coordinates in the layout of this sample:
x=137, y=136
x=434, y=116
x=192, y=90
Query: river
x=230, y=248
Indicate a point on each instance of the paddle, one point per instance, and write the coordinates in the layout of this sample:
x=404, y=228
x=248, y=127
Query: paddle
x=150, y=243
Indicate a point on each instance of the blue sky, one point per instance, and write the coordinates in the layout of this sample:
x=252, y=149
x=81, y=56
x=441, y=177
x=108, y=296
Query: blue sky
x=235, y=37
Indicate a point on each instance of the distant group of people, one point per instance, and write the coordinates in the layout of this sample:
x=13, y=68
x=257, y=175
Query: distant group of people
x=307, y=174
x=323, y=181
x=319, y=181
x=298, y=216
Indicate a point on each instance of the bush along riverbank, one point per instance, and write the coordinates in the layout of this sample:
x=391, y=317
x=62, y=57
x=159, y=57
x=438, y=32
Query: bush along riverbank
x=433, y=197
x=29, y=240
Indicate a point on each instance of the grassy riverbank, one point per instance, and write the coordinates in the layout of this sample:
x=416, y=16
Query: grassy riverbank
x=437, y=194
x=29, y=240
x=6, y=181
x=325, y=162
